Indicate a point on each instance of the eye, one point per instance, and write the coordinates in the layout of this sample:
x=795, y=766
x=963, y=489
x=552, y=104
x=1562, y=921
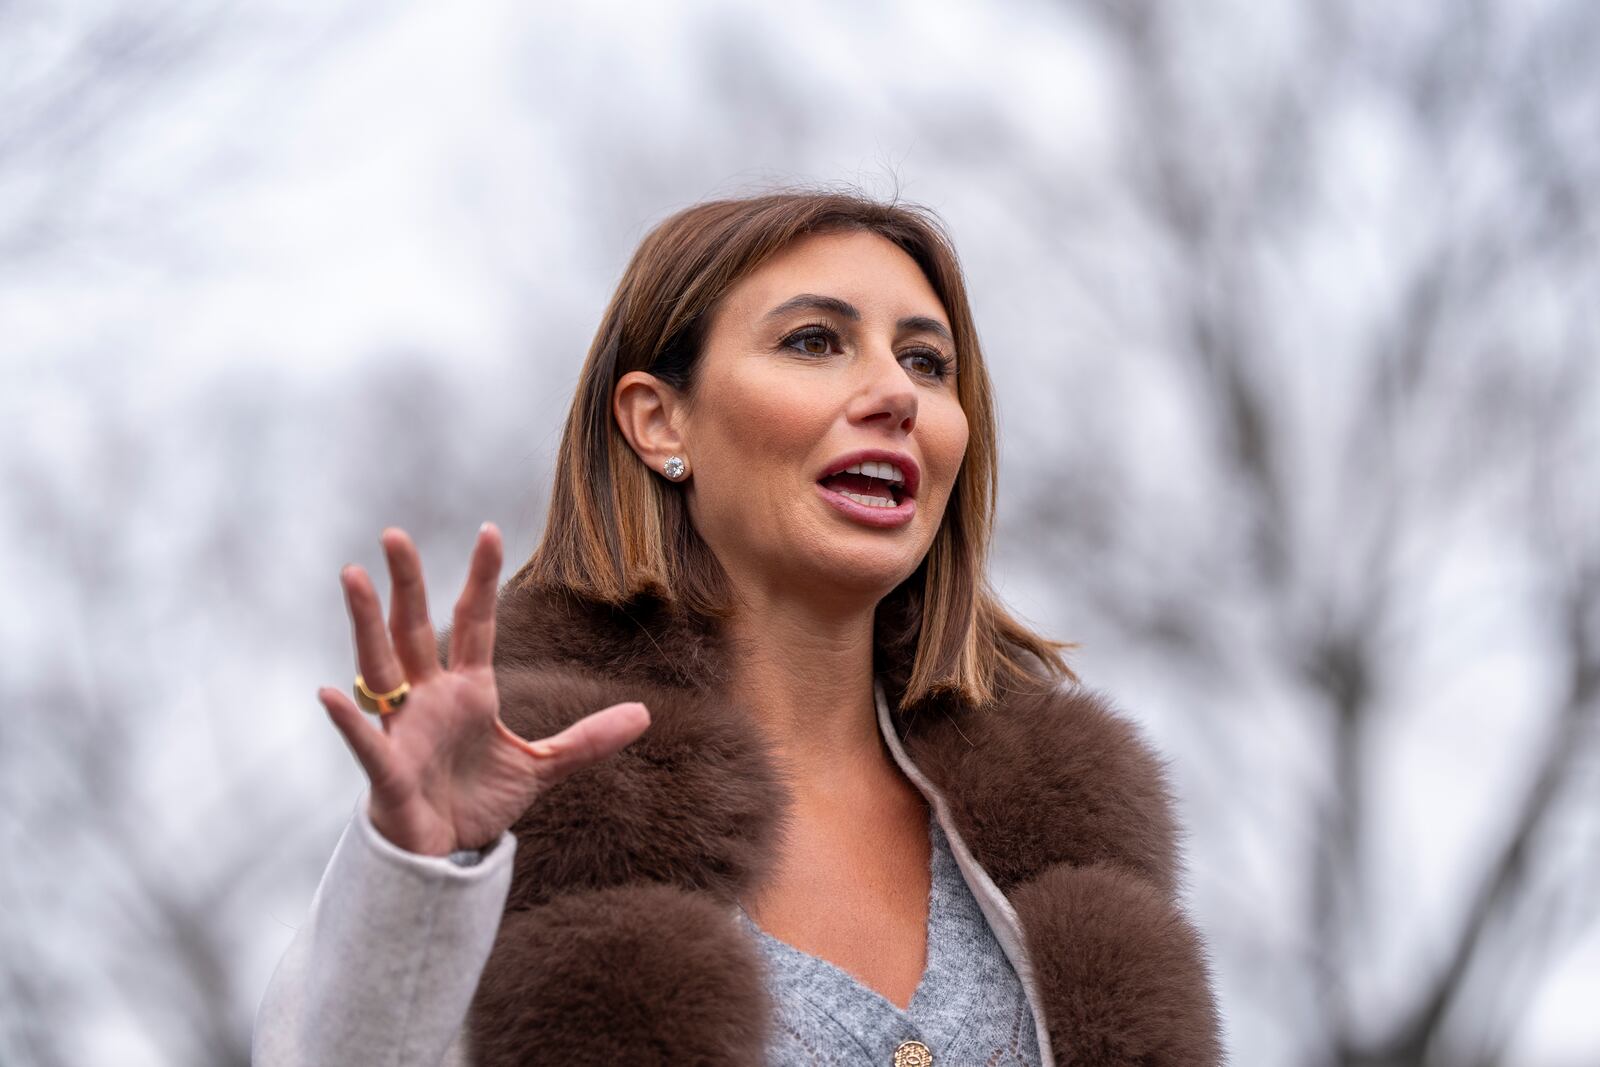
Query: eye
x=809, y=337
x=813, y=332
x=939, y=363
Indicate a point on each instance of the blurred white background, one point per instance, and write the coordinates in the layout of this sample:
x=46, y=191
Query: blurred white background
x=1291, y=309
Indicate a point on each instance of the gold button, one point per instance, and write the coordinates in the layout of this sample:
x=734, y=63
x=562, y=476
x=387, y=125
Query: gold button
x=913, y=1054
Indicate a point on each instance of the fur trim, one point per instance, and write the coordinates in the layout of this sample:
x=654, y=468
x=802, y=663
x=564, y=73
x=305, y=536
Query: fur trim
x=694, y=802
x=1051, y=778
x=619, y=942
x=645, y=975
x=641, y=641
x=1125, y=978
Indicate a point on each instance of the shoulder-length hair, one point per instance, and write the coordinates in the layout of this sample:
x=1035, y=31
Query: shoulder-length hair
x=616, y=532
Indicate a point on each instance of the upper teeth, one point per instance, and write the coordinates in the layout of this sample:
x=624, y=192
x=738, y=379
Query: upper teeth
x=887, y=472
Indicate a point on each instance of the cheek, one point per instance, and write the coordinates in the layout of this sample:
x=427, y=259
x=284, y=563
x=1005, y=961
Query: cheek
x=770, y=421
x=754, y=457
x=947, y=445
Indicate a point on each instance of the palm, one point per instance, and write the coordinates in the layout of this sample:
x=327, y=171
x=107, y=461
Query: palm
x=446, y=772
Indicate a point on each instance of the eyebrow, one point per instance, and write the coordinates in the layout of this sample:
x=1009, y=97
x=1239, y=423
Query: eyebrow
x=845, y=309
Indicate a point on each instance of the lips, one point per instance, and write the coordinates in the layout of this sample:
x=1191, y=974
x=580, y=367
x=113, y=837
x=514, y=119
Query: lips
x=907, y=465
x=867, y=515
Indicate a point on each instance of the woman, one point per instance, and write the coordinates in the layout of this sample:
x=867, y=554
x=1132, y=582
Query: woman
x=836, y=805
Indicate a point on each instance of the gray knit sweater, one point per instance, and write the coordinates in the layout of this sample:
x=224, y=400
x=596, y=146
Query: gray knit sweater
x=968, y=1008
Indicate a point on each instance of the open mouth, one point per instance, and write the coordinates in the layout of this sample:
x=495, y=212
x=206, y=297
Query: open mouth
x=865, y=490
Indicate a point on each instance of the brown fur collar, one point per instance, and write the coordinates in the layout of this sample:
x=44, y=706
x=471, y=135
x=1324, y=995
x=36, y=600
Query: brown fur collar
x=619, y=945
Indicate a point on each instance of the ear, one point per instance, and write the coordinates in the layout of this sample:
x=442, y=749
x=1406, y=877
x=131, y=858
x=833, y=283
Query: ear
x=648, y=412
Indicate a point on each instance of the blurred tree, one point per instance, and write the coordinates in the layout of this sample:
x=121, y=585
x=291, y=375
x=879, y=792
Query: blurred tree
x=1363, y=239
x=142, y=819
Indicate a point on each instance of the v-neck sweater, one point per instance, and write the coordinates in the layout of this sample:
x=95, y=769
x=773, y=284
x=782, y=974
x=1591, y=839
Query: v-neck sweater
x=968, y=1007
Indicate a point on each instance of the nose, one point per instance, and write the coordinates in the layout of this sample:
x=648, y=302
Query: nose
x=887, y=397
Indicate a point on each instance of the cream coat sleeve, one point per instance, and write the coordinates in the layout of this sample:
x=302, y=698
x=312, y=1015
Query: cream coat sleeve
x=384, y=968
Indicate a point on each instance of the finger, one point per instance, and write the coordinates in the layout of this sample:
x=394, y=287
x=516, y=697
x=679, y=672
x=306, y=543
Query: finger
x=593, y=738
x=414, y=639
x=375, y=658
x=370, y=746
x=472, y=633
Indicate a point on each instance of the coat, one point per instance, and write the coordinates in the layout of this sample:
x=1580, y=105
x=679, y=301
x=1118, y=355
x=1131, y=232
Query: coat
x=619, y=943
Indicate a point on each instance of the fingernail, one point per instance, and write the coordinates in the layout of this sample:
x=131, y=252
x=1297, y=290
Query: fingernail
x=542, y=748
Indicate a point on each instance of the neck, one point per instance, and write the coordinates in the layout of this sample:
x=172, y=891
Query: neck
x=805, y=671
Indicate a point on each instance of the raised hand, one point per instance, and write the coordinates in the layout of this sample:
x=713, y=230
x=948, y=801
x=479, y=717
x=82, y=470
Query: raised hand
x=446, y=772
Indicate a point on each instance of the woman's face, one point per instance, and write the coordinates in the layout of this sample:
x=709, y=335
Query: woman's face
x=834, y=347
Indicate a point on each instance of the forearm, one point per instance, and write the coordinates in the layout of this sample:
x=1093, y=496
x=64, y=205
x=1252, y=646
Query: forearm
x=386, y=963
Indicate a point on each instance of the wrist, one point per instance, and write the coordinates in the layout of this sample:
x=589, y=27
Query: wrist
x=397, y=832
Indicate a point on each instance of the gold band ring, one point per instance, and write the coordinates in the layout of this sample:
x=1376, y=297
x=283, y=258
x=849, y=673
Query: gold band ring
x=382, y=703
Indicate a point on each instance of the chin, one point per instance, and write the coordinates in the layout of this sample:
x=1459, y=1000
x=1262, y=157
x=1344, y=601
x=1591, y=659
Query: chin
x=870, y=577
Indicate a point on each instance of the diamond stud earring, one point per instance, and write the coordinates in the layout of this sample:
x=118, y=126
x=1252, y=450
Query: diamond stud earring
x=673, y=467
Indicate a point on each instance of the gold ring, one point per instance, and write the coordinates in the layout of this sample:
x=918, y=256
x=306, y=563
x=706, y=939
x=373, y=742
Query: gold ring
x=382, y=703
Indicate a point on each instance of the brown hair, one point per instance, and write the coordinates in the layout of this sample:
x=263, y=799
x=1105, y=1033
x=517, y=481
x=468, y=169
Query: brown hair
x=615, y=531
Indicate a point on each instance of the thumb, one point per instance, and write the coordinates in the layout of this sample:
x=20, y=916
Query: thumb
x=594, y=737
